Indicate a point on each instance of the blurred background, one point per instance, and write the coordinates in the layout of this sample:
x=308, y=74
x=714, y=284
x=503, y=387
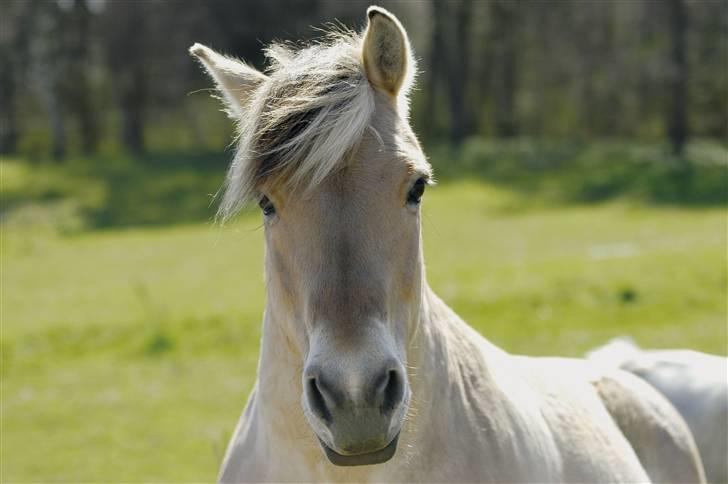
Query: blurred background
x=582, y=153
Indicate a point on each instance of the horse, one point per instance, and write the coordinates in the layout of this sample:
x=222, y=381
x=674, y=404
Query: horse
x=695, y=383
x=364, y=373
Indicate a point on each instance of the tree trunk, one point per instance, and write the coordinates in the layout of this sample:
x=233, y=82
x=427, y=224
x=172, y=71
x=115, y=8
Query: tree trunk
x=48, y=71
x=436, y=59
x=459, y=73
x=506, y=101
x=132, y=112
x=16, y=24
x=8, y=115
x=127, y=56
x=80, y=90
x=51, y=100
x=677, y=115
x=505, y=21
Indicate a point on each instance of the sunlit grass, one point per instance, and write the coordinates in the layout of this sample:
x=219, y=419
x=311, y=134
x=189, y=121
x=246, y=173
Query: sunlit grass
x=128, y=354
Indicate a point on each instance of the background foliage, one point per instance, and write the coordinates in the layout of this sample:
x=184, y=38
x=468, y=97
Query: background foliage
x=88, y=75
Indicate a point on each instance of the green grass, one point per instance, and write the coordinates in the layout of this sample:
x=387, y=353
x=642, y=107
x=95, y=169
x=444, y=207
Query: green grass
x=128, y=352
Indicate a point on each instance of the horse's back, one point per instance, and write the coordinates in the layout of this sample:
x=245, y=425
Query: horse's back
x=657, y=433
x=697, y=385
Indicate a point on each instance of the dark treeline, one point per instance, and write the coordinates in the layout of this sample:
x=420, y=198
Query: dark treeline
x=90, y=75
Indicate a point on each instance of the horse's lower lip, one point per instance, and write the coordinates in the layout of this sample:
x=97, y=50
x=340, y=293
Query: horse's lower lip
x=370, y=458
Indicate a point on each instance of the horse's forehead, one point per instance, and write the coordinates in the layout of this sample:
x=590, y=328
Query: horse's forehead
x=373, y=174
x=354, y=194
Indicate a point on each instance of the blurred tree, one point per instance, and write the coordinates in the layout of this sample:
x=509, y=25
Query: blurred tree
x=436, y=59
x=678, y=76
x=506, y=26
x=8, y=108
x=502, y=67
x=127, y=44
x=708, y=63
x=48, y=64
x=15, y=27
x=78, y=89
x=244, y=29
x=458, y=70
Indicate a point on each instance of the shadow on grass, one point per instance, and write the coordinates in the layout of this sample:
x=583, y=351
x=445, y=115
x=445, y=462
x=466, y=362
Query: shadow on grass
x=159, y=190
x=164, y=189
x=573, y=172
x=118, y=191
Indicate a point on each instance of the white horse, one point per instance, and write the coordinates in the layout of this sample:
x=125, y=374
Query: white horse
x=695, y=383
x=364, y=374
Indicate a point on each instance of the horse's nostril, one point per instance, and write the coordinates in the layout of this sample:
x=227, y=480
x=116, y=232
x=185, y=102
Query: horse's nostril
x=316, y=400
x=391, y=388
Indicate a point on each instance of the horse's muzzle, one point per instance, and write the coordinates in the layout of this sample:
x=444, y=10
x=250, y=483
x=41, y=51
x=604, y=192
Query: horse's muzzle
x=357, y=417
x=363, y=459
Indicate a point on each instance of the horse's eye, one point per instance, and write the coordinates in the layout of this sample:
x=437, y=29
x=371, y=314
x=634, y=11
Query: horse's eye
x=414, y=196
x=267, y=206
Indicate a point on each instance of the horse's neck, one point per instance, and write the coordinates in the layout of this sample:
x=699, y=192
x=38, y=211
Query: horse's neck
x=445, y=351
x=280, y=365
x=443, y=336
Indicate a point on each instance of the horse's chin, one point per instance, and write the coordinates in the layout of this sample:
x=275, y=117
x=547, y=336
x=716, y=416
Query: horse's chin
x=363, y=459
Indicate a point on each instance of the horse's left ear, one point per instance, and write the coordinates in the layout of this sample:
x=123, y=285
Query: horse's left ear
x=235, y=79
x=386, y=52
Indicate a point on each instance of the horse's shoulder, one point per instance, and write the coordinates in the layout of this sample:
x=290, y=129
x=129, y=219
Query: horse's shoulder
x=586, y=444
x=657, y=433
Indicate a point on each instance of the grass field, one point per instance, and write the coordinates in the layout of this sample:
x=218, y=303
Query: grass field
x=128, y=350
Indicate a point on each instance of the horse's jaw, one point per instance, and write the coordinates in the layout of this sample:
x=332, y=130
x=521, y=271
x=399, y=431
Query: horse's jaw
x=369, y=458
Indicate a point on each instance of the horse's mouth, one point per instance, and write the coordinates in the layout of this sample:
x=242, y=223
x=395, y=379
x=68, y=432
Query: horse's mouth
x=365, y=459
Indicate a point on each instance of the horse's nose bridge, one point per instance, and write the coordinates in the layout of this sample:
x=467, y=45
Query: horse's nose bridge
x=349, y=304
x=349, y=284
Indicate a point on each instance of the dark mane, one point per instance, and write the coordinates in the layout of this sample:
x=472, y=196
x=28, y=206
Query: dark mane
x=303, y=120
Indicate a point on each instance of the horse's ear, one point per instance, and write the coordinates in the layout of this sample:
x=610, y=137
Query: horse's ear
x=235, y=79
x=386, y=52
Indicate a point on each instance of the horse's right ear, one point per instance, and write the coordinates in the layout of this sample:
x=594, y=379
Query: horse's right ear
x=234, y=79
x=386, y=53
